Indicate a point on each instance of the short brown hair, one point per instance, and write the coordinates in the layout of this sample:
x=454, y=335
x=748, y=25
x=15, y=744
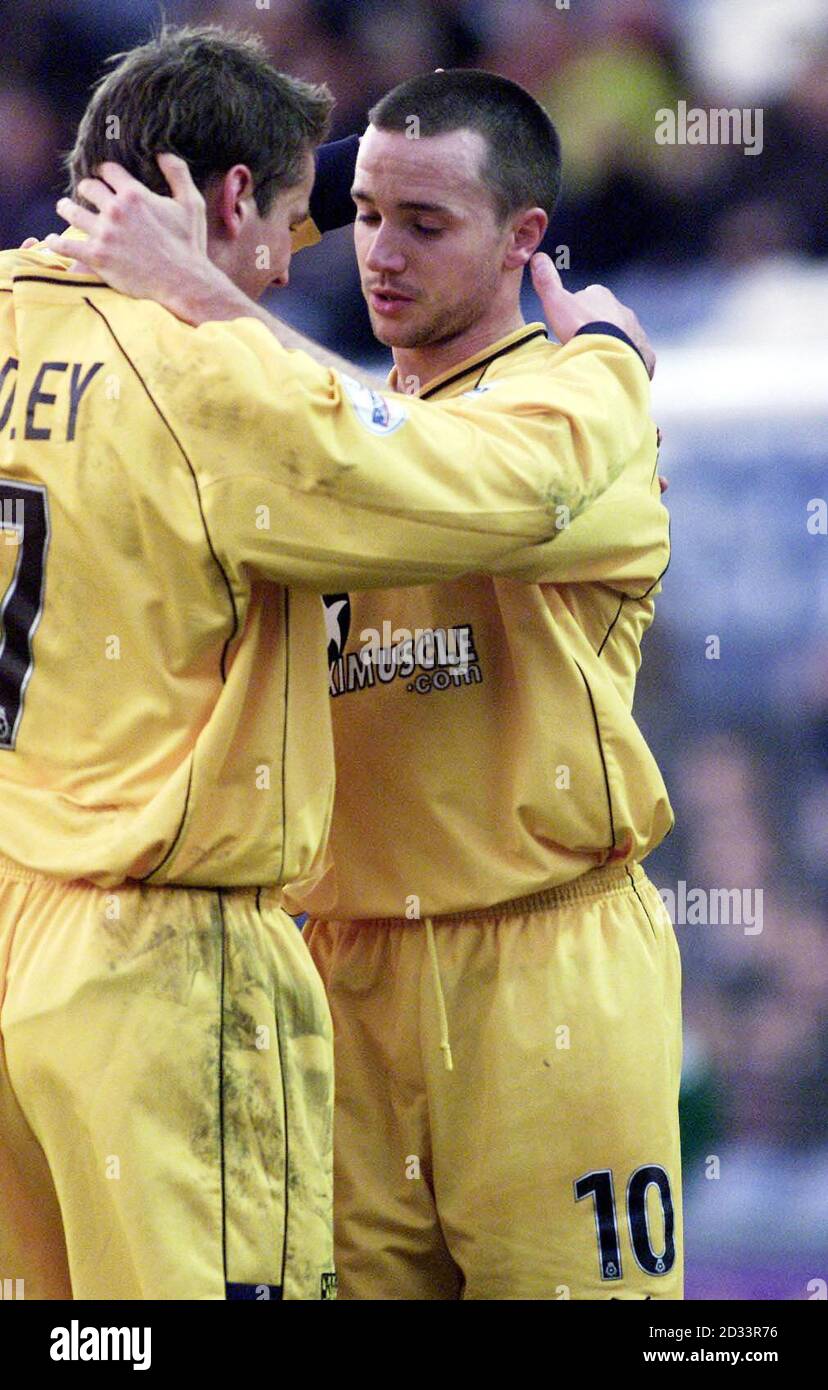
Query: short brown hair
x=210, y=96
x=522, y=167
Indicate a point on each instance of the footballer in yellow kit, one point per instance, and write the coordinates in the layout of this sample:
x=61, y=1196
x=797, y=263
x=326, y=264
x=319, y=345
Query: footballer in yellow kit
x=174, y=502
x=503, y=978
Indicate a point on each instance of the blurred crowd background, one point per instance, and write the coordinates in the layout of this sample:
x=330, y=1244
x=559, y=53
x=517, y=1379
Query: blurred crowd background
x=725, y=257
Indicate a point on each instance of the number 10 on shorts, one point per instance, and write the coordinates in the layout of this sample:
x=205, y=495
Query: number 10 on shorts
x=599, y=1186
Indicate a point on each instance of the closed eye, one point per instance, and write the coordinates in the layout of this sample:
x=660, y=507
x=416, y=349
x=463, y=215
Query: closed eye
x=373, y=217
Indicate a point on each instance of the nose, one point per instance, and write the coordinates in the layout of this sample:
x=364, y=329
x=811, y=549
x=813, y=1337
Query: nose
x=384, y=254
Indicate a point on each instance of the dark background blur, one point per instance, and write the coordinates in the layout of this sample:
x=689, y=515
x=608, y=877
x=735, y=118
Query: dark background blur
x=724, y=255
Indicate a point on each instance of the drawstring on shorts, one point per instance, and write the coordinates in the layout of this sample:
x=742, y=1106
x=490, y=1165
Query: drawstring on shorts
x=445, y=1045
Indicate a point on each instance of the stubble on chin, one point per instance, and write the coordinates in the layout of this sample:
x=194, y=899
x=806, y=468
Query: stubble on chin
x=439, y=329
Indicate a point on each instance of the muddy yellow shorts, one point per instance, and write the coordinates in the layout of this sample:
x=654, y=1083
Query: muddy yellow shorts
x=165, y=1096
x=545, y=1164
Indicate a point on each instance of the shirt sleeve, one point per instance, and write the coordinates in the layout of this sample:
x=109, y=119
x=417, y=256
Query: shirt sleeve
x=621, y=540
x=310, y=479
x=331, y=204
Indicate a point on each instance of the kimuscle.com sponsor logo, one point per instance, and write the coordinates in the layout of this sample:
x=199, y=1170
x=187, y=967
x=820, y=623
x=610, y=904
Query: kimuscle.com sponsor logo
x=426, y=659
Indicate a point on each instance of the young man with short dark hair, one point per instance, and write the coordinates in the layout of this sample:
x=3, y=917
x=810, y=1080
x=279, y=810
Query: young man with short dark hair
x=503, y=977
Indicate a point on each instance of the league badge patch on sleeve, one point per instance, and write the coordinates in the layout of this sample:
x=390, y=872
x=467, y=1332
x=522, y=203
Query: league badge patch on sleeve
x=377, y=414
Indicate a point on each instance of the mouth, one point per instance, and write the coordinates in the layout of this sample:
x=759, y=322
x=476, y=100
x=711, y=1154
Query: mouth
x=388, y=303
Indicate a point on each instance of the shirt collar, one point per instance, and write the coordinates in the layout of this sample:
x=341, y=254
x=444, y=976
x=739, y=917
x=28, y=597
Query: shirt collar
x=479, y=361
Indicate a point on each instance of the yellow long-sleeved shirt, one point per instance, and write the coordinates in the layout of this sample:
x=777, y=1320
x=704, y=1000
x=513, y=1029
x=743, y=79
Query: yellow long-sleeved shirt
x=174, y=500
x=484, y=737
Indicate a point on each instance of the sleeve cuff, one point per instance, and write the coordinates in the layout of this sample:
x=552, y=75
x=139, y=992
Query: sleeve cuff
x=610, y=330
x=331, y=204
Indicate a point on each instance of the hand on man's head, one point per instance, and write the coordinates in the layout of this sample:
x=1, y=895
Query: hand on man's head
x=137, y=240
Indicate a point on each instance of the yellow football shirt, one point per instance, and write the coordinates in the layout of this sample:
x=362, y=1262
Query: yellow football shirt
x=173, y=502
x=485, y=743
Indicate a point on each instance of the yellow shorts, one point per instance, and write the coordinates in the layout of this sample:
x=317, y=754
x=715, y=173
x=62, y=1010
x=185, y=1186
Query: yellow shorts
x=546, y=1164
x=165, y=1095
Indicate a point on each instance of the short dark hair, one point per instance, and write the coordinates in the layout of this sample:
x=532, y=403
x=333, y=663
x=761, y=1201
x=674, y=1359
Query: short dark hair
x=212, y=97
x=523, y=164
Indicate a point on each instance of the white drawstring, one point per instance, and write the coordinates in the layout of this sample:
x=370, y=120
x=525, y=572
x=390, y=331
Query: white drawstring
x=445, y=1045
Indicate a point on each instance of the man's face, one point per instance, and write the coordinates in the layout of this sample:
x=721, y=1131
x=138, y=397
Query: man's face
x=428, y=243
x=262, y=253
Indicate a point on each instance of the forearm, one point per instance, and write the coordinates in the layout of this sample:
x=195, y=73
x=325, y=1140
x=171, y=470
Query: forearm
x=290, y=338
x=212, y=297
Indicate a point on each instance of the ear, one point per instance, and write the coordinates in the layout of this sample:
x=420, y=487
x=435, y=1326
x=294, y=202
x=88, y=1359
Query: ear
x=232, y=200
x=527, y=232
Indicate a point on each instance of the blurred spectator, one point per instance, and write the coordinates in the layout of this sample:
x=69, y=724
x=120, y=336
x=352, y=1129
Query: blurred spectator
x=748, y=51
x=791, y=175
x=30, y=125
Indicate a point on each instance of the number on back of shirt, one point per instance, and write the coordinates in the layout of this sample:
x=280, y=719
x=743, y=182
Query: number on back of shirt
x=24, y=538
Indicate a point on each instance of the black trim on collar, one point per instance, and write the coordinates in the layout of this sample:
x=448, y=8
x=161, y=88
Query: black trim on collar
x=482, y=364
